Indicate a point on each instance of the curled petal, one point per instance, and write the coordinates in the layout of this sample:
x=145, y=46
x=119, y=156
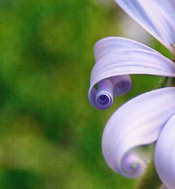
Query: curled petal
x=138, y=122
x=111, y=44
x=164, y=157
x=117, y=58
x=104, y=96
x=107, y=88
x=122, y=85
x=157, y=17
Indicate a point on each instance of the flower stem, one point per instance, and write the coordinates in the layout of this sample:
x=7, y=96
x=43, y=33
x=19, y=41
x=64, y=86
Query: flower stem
x=167, y=82
x=150, y=179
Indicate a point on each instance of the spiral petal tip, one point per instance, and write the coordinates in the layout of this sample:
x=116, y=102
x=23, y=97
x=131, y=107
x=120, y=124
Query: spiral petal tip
x=104, y=96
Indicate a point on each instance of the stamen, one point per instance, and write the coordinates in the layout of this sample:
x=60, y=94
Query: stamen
x=173, y=47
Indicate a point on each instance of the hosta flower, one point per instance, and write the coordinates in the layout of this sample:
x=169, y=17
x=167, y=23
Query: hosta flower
x=147, y=118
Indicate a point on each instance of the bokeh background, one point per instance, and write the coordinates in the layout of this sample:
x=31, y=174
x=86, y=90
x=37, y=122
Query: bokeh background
x=50, y=137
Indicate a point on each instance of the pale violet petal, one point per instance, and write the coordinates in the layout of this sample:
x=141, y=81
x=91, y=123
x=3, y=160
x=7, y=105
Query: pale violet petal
x=164, y=156
x=117, y=58
x=107, y=88
x=104, y=96
x=168, y=9
x=138, y=122
x=156, y=16
x=121, y=85
x=111, y=44
x=163, y=187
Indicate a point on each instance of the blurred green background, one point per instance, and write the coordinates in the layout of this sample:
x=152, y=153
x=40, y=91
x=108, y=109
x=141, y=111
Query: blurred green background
x=50, y=137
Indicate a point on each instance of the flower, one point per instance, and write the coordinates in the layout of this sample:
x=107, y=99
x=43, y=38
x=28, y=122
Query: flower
x=149, y=117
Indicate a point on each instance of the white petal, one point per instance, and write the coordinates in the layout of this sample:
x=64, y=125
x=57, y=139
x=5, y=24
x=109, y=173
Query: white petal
x=164, y=157
x=117, y=58
x=138, y=122
x=156, y=16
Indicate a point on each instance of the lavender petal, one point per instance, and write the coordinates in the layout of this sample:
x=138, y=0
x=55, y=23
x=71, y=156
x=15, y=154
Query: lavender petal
x=163, y=187
x=117, y=58
x=165, y=154
x=138, y=122
x=157, y=17
x=104, y=96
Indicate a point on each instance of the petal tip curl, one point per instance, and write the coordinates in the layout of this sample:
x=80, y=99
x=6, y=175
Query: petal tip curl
x=104, y=96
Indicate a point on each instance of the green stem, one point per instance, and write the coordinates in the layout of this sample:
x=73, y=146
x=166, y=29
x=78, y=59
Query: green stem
x=167, y=82
x=149, y=179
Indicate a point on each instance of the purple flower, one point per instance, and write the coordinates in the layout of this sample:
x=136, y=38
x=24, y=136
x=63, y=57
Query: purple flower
x=147, y=118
